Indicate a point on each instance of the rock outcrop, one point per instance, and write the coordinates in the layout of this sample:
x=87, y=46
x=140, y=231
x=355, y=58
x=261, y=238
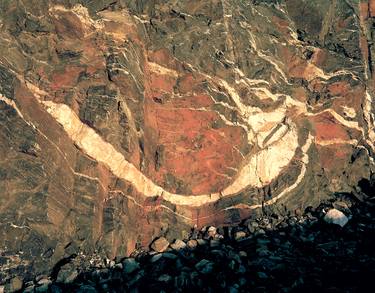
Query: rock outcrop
x=123, y=121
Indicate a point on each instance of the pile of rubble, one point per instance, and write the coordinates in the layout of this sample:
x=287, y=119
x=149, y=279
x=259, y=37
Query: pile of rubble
x=327, y=249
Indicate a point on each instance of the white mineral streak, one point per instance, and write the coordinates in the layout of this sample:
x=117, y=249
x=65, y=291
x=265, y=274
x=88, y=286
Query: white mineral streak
x=154, y=67
x=339, y=118
x=304, y=160
x=254, y=173
x=39, y=93
x=369, y=116
x=312, y=71
x=264, y=122
x=256, y=120
x=248, y=80
x=81, y=12
x=229, y=41
x=123, y=17
x=266, y=164
x=279, y=131
x=353, y=142
x=349, y=112
x=117, y=16
x=12, y=104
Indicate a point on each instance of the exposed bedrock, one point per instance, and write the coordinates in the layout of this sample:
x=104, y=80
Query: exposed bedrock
x=121, y=121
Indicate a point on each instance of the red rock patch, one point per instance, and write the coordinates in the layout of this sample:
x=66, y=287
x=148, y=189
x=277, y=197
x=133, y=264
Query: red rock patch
x=193, y=155
x=327, y=128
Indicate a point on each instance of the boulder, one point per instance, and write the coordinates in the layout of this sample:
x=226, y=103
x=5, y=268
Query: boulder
x=130, y=265
x=15, y=284
x=178, y=244
x=160, y=245
x=204, y=266
x=334, y=216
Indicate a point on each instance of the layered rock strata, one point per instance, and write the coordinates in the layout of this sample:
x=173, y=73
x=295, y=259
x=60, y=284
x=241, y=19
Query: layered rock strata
x=126, y=120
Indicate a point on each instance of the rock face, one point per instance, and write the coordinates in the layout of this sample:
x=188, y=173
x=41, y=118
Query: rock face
x=121, y=121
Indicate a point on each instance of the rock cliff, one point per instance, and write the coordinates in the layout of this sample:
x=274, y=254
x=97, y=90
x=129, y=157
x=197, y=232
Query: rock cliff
x=121, y=121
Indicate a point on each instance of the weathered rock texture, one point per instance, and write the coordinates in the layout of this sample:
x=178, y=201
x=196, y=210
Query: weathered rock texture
x=126, y=120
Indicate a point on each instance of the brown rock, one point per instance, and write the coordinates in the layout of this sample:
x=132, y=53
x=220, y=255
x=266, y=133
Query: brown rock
x=16, y=284
x=192, y=244
x=239, y=235
x=160, y=244
x=214, y=242
x=211, y=231
x=178, y=244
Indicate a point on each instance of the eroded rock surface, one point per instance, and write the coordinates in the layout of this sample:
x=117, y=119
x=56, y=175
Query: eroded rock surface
x=123, y=121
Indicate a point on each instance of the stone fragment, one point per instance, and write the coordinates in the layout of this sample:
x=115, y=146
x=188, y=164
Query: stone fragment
x=262, y=275
x=71, y=277
x=334, y=216
x=156, y=257
x=252, y=226
x=192, y=243
x=28, y=289
x=169, y=255
x=137, y=278
x=165, y=278
x=204, y=266
x=214, y=242
x=44, y=281
x=42, y=289
x=232, y=264
x=86, y=289
x=241, y=269
x=201, y=242
x=160, y=244
x=260, y=232
x=67, y=273
x=56, y=289
x=178, y=244
x=16, y=284
x=130, y=265
x=262, y=252
x=239, y=235
x=211, y=231
x=341, y=206
x=183, y=280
